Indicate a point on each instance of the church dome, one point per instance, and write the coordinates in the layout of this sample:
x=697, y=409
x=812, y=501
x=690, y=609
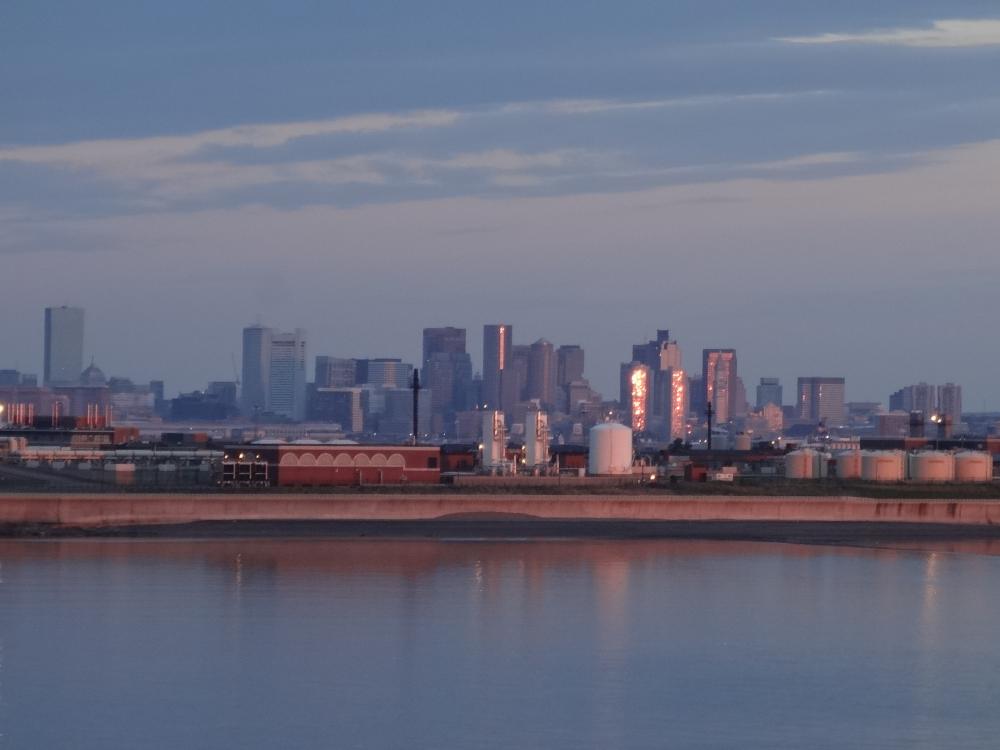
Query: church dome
x=93, y=376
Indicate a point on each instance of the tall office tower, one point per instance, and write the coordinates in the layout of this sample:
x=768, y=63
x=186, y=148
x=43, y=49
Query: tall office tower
x=256, y=368
x=659, y=354
x=821, y=399
x=569, y=364
x=447, y=373
x=738, y=406
x=497, y=341
x=335, y=372
x=384, y=371
x=696, y=392
x=949, y=401
x=446, y=340
x=286, y=392
x=768, y=392
x=542, y=373
x=515, y=376
x=920, y=397
x=63, y=345
x=637, y=398
x=674, y=399
x=718, y=372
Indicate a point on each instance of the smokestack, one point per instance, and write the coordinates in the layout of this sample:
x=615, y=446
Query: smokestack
x=416, y=404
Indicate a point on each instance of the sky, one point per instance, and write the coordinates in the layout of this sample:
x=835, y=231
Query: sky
x=813, y=183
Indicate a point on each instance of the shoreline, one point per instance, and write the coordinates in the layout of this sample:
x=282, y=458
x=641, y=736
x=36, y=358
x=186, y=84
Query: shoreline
x=458, y=515
x=497, y=529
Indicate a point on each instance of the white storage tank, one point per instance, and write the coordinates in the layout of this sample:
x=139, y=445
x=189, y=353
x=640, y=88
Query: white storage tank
x=800, y=464
x=849, y=464
x=973, y=466
x=536, y=439
x=932, y=466
x=610, y=450
x=494, y=440
x=883, y=466
x=742, y=442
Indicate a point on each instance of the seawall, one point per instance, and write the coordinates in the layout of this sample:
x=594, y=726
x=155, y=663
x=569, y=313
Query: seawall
x=96, y=511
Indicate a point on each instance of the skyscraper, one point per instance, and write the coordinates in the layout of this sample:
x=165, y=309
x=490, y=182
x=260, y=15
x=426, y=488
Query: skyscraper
x=949, y=398
x=447, y=373
x=768, y=392
x=497, y=342
x=542, y=373
x=569, y=364
x=718, y=373
x=821, y=399
x=335, y=372
x=287, y=375
x=256, y=368
x=63, y=345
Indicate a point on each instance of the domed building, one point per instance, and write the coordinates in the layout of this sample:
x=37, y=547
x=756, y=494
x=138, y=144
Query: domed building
x=93, y=376
x=90, y=397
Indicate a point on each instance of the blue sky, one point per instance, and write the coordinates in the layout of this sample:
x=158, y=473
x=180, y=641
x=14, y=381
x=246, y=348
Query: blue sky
x=812, y=183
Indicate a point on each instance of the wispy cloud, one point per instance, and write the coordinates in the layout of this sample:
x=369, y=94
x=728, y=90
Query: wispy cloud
x=983, y=32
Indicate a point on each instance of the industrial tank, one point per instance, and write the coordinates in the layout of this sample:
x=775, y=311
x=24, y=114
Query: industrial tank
x=742, y=442
x=883, y=466
x=610, y=449
x=494, y=440
x=932, y=466
x=973, y=466
x=800, y=464
x=536, y=439
x=849, y=464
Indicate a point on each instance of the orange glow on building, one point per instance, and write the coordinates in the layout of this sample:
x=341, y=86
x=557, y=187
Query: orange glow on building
x=678, y=402
x=639, y=380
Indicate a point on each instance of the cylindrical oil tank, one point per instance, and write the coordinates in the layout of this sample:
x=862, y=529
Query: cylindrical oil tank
x=849, y=464
x=800, y=464
x=932, y=466
x=883, y=466
x=610, y=450
x=821, y=464
x=742, y=442
x=973, y=466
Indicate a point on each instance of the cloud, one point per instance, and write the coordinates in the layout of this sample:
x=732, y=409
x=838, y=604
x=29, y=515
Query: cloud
x=983, y=32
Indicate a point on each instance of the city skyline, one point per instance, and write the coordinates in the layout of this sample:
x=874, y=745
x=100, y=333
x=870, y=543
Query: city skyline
x=809, y=185
x=258, y=392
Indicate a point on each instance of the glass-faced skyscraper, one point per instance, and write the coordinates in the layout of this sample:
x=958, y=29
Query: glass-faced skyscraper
x=63, y=345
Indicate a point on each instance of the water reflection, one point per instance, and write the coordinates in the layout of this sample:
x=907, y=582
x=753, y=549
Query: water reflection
x=556, y=644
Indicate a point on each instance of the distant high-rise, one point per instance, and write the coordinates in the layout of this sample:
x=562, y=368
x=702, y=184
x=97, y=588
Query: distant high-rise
x=497, y=342
x=637, y=381
x=335, y=372
x=949, y=398
x=256, y=368
x=919, y=397
x=287, y=375
x=569, y=364
x=388, y=372
x=718, y=373
x=769, y=392
x=447, y=373
x=63, y=345
x=515, y=376
x=542, y=373
x=821, y=399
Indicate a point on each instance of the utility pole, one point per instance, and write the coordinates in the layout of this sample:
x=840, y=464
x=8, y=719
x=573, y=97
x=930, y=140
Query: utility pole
x=416, y=404
x=709, y=413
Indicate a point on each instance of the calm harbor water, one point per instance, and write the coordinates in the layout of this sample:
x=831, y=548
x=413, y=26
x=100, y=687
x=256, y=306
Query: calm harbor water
x=496, y=644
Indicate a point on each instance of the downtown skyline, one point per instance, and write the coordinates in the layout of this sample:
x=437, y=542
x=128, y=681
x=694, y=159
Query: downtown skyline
x=813, y=187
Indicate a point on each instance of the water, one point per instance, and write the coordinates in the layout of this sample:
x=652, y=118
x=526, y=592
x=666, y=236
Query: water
x=539, y=644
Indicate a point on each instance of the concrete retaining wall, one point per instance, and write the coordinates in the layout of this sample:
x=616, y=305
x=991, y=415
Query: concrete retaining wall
x=98, y=510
